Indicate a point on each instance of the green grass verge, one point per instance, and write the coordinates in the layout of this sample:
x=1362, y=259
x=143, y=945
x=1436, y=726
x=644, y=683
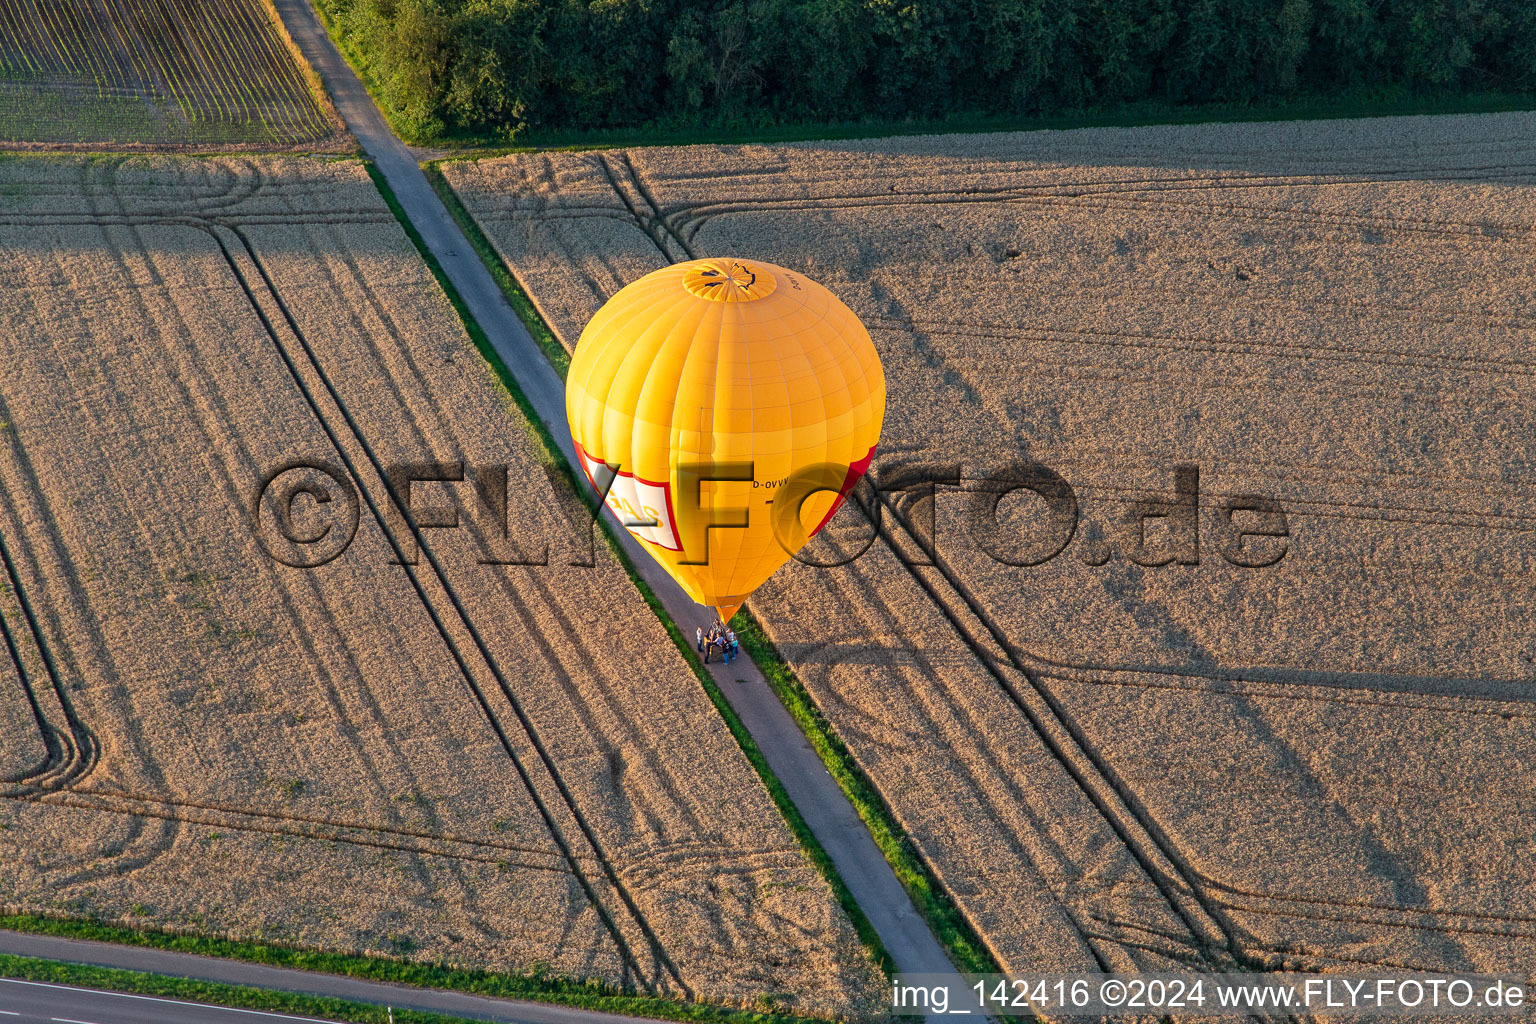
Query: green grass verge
x=954, y=933
x=519, y=299
x=551, y=455
x=193, y=991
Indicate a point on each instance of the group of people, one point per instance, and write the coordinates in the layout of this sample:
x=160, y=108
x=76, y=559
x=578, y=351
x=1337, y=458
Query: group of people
x=720, y=638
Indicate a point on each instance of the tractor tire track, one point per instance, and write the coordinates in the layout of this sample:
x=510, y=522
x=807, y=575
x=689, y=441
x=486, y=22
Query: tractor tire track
x=616, y=734
x=191, y=374
x=672, y=245
x=151, y=807
x=244, y=246
x=1215, y=936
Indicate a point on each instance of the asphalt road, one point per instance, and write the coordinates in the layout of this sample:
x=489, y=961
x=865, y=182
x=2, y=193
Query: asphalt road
x=831, y=818
x=35, y=1001
x=26, y=1002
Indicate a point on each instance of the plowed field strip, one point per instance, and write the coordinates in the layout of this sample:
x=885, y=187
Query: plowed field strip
x=299, y=821
x=1320, y=508
x=1184, y=343
x=1471, y=487
x=1441, y=929
x=1332, y=693
x=1092, y=372
x=1391, y=917
x=773, y=184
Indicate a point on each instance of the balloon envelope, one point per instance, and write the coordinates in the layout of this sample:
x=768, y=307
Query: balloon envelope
x=725, y=407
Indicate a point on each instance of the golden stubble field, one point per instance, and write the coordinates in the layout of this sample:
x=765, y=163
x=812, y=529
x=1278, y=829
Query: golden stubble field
x=503, y=766
x=1321, y=762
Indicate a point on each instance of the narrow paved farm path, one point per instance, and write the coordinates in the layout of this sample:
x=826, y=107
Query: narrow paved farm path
x=30, y=999
x=833, y=820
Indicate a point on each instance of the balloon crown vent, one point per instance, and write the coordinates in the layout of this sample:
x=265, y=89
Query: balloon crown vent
x=729, y=281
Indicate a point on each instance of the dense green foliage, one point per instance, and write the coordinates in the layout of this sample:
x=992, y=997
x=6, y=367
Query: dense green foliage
x=483, y=67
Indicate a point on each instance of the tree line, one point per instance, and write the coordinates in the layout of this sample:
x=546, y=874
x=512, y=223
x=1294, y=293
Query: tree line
x=498, y=67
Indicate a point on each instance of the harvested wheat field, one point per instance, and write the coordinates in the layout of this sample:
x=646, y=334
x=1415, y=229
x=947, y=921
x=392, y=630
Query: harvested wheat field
x=157, y=74
x=1320, y=762
x=466, y=759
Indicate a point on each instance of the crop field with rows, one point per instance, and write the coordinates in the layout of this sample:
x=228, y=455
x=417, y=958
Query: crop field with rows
x=1259, y=692
x=471, y=745
x=154, y=73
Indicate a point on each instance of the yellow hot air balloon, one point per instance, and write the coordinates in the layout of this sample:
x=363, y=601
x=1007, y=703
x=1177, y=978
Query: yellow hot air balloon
x=725, y=407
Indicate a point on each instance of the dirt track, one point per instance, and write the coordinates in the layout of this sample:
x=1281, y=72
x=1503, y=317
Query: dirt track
x=496, y=765
x=1315, y=763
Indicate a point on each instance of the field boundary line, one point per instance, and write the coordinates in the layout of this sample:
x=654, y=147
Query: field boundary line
x=78, y=799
